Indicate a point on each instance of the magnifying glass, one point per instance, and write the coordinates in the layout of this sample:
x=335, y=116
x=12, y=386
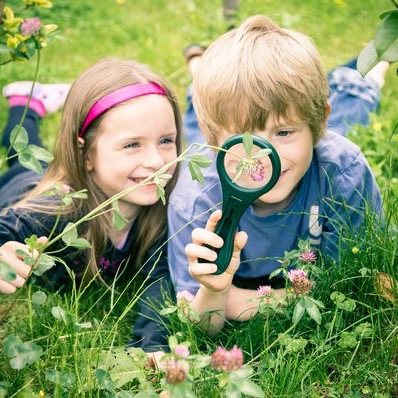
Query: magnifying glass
x=248, y=167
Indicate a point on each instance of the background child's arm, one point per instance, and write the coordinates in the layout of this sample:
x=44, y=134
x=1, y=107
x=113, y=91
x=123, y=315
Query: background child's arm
x=211, y=299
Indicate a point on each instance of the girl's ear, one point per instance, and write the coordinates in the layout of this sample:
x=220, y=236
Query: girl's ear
x=89, y=163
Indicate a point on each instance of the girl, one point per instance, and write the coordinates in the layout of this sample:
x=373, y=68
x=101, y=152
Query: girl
x=120, y=124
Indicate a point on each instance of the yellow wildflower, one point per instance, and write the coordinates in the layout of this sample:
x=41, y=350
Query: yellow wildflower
x=41, y=393
x=355, y=250
x=12, y=41
x=38, y=3
x=50, y=28
x=377, y=126
x=11, y=24
x=340, y=3
x=121, y=1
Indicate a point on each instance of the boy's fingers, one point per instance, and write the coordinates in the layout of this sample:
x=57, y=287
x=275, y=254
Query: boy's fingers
x=213, y=220
x=202, y=236
x=200, y=269
x=194, y=252
x=239, y=244
x=240, y=240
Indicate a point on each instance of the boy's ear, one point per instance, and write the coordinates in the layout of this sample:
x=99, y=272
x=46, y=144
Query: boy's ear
x=327, y=112
x=89, y=163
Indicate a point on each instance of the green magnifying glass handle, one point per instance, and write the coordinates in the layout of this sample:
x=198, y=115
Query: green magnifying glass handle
x=226, y=228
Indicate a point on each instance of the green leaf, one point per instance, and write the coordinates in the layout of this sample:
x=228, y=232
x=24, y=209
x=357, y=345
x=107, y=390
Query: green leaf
x=262, y=153
x=19, y=138
x=200, y=160
x=275, y=273
x=161, y=194
x=196, y=172
x=46, y=262
x=119, y=221
x=105, y=380
x=80, y=243
x=386, y=38
x=6, y=272
x=10, y=345
x=59, y=313
x=348, y=305
x=364, y=330
x=251, y=389
x=248, y=144
x=69, y=236
x=367, y=59
x=312, y=310
x=28, y=161
x=84, y=325
x=21, y=354
x=168, y=310
x=39, y=298
x=348, y=340
x=40, y=153
x=298, y=311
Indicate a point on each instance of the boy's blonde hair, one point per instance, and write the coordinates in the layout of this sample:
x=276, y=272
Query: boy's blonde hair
x=255, y=71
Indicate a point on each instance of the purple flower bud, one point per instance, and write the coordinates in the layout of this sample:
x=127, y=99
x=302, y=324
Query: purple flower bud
x=264, y=291
x=300, y=283
x=185, y=295
x=181, y=350
x=227, y=361
x=256, y=170
x=308, y=257
x=31, y=26
x=176, y=371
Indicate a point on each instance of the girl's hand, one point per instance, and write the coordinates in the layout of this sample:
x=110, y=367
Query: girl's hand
x=8, y=255
x=202, y=272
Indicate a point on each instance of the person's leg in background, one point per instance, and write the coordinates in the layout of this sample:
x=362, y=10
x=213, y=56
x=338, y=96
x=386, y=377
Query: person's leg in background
x=46, y=98
x=354, y=97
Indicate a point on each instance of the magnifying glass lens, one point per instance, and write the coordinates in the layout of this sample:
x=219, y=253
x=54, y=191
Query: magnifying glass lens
x=248, y=171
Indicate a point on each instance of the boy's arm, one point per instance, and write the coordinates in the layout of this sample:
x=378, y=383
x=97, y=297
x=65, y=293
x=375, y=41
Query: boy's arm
x=354, y=192
x=211, y=299
x=242, y=304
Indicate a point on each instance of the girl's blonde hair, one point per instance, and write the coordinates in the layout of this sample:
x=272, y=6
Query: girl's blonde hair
x=255, y=71
x=68, y=166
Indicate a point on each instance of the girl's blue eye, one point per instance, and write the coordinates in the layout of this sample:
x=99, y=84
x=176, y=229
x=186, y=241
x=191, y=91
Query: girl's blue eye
x=167, y=140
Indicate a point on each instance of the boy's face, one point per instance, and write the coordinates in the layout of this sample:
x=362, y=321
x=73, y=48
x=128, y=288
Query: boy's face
x=293, y=141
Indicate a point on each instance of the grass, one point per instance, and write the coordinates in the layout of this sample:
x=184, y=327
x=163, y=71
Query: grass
x=74, y=330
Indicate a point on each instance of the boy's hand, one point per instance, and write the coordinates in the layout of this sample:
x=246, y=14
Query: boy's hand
x=8, y=255
x=203, y=272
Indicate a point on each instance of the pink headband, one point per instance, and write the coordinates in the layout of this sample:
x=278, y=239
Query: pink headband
x=118, y=96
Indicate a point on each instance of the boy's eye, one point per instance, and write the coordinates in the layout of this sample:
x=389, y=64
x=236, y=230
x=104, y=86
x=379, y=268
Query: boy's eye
x=132, y=145
x=283, y=133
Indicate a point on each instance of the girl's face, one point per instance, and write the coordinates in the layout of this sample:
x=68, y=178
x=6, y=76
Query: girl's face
x=134, y=140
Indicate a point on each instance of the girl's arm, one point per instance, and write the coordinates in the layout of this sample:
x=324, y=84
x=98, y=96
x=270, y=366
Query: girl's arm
x=210, y=301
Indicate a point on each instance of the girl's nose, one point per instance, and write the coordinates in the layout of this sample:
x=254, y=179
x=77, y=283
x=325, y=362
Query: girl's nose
x=153, y=159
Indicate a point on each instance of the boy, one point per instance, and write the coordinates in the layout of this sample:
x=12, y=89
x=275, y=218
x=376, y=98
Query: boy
x=268, y=81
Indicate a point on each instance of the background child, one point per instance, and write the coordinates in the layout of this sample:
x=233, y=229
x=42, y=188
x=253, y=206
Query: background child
x=269, y=81
x=120, y=124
